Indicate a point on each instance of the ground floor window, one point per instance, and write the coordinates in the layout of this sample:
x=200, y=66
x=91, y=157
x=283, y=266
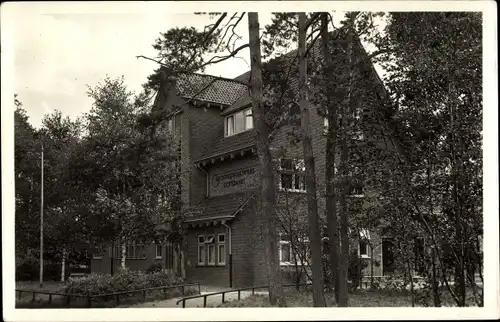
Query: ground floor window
x=98, y=252
x=133, y=250
x=364, y=243
x=158, y=250
x=201, y=250
x=288, y=255
x=221, y=249
x=387, y=256
x=211, y=251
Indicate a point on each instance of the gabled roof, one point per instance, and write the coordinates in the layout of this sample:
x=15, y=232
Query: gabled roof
x=219, y=207
x=218, y=90
x=229, y=144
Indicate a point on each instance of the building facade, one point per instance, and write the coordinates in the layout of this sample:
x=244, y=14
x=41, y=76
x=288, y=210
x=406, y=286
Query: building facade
x=220, y=176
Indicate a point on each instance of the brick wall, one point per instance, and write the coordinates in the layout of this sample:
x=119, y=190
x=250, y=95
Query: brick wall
x=103, y=265
x=250, y=180
x=206, y=274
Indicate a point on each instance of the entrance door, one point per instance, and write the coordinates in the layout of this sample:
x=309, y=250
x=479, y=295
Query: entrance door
x=387, y=256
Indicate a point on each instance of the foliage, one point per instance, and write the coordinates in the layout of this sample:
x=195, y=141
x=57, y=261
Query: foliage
x=154, y=267
x=125, y=280
x=28, y=269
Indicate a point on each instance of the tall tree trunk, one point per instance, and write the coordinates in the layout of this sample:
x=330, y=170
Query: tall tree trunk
x=312, y=202
x=63, y=265
x=331, y=201
x=435, y=283
x=124, y=254
x=268, y=192
x=345, y=182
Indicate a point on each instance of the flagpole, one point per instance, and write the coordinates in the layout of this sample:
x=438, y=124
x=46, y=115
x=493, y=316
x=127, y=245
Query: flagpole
x=41, y=222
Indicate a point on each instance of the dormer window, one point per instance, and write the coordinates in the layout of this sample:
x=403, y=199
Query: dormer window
x=239, y=122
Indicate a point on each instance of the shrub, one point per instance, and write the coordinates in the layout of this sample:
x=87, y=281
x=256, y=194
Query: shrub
x=28, y=269
x=125, y=280
x=154, y=267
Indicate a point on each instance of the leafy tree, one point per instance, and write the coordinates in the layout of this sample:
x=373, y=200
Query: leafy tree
x=127, y=167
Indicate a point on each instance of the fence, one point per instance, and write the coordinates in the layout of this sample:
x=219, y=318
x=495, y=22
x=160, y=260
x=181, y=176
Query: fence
x=116, y=295
x=223, y=293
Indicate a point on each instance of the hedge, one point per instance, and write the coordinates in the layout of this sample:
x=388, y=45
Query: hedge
x=98, y=283
x=28, y=269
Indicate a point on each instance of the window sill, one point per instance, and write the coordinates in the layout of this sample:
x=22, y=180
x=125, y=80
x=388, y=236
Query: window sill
x=210, y=265
x=292, y=190
x=233, y=134
x=287, y=264
x=97, y=257
x=364, y=257
x=356, y=196
x=158, y=257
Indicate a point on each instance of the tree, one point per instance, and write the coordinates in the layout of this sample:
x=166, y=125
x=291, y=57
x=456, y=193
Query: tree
x=434, y=78
x=314, y=230
x=127, y=166
x=268, y=192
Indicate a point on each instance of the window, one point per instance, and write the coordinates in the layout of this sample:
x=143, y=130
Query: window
x=211, y=250
x=363, y=245
x=239, y=122
x=174, y=124
x=363, y=248
x=158, y=250
x=287, y=254
x=201, y=250
x=221, y=249
x=133, y=250
x=285, y=249
x=98, y=252
x=356, y=190
x=292, y=175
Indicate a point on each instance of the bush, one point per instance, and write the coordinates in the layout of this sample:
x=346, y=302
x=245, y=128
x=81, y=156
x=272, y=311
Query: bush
x=28, y=269
x=154, y=267
x=125, y=280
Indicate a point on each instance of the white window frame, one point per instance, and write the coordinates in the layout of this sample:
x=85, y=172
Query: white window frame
x=135, y=248
x=219, y=252
x=364, y=235
x=294, y=173
x=229, y=122
x=98, y=254
x=156, y=251
x=201, y=245
x=292, y=257
x=210, y=242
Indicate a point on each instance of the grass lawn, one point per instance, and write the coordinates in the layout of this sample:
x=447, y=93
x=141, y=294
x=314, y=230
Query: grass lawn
x=48, y=286
x=357, y=299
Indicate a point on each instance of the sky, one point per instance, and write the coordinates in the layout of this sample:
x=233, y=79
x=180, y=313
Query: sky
x=58, y=54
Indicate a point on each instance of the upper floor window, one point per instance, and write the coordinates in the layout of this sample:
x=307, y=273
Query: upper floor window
x=239, y=122
x=292, y=175
x=174, y=125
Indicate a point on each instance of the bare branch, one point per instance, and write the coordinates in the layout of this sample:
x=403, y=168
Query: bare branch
x=218, y=59
x=314, y=17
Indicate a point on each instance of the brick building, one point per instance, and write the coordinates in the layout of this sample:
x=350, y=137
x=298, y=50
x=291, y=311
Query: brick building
x=223, y=244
